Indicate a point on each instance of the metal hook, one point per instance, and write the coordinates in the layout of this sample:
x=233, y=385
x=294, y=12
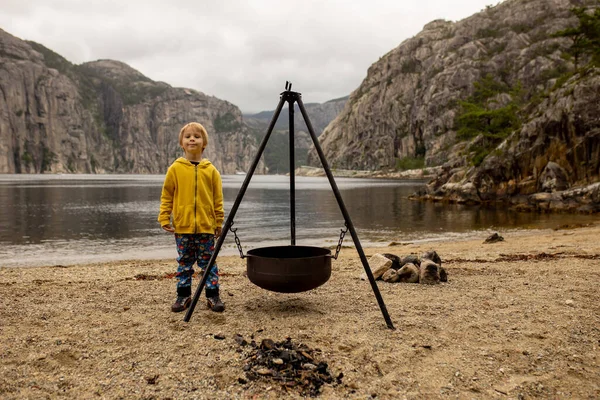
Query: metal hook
x=237, y=240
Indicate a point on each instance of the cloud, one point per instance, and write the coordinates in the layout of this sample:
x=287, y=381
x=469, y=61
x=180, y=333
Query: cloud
x=239, y=51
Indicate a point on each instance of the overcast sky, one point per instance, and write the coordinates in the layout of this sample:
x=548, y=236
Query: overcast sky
x=239, y=51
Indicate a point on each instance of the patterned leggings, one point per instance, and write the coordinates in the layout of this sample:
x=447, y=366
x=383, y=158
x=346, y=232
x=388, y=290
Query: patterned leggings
x=194, y=248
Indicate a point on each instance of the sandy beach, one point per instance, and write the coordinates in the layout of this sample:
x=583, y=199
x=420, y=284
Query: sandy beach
x=517, y=319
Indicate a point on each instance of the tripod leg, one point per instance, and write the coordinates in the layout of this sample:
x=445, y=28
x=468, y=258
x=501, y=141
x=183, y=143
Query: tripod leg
x=347, y=219
x=292, y=176
x=233, y=211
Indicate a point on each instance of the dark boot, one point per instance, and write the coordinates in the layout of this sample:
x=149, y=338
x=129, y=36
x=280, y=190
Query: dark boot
x=215, y=304
x=181, y=304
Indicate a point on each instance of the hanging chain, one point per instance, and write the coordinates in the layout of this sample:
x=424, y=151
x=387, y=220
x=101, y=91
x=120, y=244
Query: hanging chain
x=339, y=246
x=237, y=240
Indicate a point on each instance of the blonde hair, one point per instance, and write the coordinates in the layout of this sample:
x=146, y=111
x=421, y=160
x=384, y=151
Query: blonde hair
x=195, y=127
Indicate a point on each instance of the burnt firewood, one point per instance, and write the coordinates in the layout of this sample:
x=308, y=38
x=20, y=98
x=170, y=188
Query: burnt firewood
x=293, y=366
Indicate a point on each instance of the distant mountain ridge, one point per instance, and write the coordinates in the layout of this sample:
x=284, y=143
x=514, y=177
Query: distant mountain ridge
x=277, y=151
x=320, y=114
x=104, y=117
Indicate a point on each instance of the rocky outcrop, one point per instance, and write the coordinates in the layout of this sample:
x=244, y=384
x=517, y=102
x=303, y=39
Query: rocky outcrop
x=551, y=164
x=413, y=174
x=103, y=117
x=411, y=103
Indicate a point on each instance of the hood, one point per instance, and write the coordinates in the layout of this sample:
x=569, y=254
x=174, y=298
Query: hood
x=204, y=163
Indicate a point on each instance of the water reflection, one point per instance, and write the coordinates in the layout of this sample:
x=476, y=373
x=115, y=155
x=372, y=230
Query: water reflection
x=35, y=214
x=77, y=218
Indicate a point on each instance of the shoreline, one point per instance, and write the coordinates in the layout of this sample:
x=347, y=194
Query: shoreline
x=230, y=250
x=516, y=318
x=411, y=174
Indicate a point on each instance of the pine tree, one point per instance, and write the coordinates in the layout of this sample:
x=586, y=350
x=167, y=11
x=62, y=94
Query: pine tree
x=585, y=36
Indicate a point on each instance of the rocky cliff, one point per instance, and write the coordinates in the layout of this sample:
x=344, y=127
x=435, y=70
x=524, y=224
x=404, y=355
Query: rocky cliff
x=103, y=117
x=494, y=100
x=552, y=163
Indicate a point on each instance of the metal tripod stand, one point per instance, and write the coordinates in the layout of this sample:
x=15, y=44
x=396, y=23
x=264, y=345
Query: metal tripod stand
x=291, y=98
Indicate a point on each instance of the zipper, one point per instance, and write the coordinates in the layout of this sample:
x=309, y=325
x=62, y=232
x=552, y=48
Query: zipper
x=195, y=196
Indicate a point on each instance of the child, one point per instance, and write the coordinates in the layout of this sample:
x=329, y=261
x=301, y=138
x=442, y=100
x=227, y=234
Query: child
x=192, y=194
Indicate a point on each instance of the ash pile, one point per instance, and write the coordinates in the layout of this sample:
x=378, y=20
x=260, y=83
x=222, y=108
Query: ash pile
x=294, y=366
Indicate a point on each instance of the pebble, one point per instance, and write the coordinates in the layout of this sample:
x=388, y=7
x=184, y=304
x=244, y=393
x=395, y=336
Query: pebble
x=239, y=339
x=264, y=371
x=570, y=302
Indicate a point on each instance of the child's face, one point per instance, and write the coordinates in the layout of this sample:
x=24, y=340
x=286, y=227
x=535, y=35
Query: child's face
x=192, y=142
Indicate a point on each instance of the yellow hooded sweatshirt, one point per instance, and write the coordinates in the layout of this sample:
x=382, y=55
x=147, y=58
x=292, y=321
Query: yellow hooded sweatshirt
x=194, y=195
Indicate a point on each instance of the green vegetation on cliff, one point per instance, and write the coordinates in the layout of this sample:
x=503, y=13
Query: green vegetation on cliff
x=72, y=71
x=408, y=163
x=492, y=112
x=585, y=36
x=132, y=90
x=53, y=59
x=226, y=123
x=495, y=109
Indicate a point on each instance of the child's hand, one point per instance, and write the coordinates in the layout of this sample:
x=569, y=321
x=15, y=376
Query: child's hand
x=218, y=232
x=168, y=228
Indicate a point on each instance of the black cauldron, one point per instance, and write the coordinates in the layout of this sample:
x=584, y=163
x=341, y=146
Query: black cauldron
x=288, y=269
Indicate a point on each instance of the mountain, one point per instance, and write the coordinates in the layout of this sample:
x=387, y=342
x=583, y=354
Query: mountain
x=320, y=115
x=496, y=101
x=104, y=117
x=277, y=152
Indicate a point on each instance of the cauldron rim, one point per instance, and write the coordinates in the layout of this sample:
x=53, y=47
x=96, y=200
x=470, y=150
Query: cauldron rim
x=271, y=252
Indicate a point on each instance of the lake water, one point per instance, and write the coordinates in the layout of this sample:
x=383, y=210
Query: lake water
x=67, y=219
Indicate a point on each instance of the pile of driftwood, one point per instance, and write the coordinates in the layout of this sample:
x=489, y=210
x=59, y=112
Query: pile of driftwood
x=293, y=366
x=410, y=269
